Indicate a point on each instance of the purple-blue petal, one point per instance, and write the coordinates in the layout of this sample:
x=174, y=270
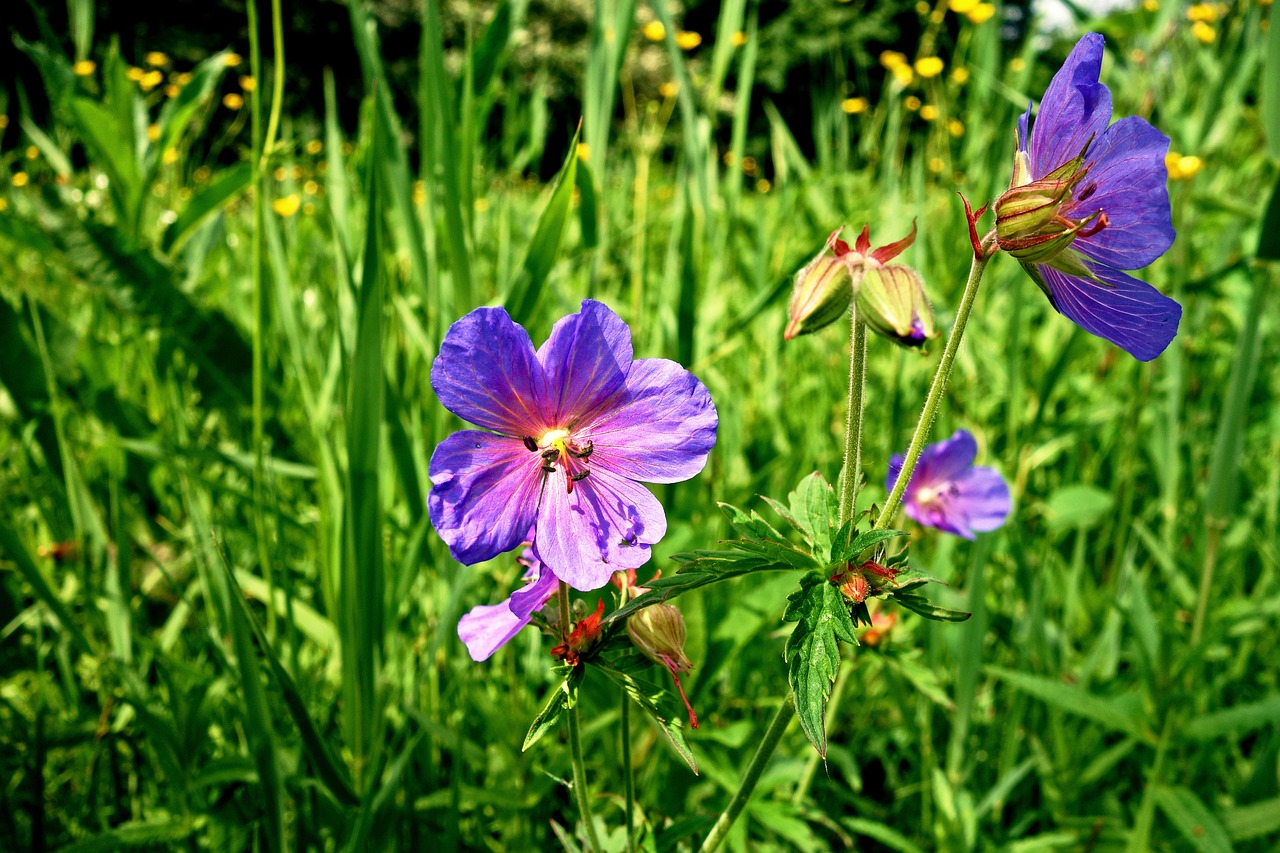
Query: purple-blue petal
x=943, y=461
x=659, y=429
x=606, y=525
x=1130, y=313
x=1127, y=180
x=586, y=360
x=1074, y=108
x=489, y=627
x=982, y=498
x=487, y=373
x=484, y=494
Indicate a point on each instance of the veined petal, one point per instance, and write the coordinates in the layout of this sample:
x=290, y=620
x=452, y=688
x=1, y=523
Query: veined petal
x=487, y=373
x=484, y=494
x=586, y=360
x=983, y=497
x=1074, y=107
x=945, y=460
x=937, y=514
x=489, y=627
x=659, y=430
x=605, y=525
x=1128, y=180
x=1130, y=313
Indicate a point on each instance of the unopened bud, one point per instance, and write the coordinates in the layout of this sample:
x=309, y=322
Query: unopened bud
x=1036, y=220
x=658, y=631
x=892, y=302
x=822, y=293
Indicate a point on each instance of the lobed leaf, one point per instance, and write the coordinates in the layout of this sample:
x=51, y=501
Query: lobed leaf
x=812, y=651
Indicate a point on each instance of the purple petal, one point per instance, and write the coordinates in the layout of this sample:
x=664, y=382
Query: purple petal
x=1129, y=182
x=945, y=460
x=586, y=360
x=606, y=525
x=484, y=494
x=489, y=627
x=1074, y=107
x=660, y=429
x=487, y=373
x=982, y=498
x=1130, y=313
x=938, y=515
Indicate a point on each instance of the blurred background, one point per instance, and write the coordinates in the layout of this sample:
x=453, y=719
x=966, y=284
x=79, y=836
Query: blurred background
x=232, y=237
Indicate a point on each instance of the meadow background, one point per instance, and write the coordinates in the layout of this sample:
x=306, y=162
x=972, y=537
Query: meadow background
x=225, y=621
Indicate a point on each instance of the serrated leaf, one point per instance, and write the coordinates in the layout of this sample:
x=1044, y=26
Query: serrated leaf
x=749, y=525
x=816, y=509
x=666, y=711
x=927, y=609
x=812, y=651
x=562, y=698
x=844, y=550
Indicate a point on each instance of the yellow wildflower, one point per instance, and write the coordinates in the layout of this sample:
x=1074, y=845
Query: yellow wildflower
x=155, y=59
x=668, y=89
x=182, y=78
x=654, y=31
x=738, y=39
x=172, y=90
x=749, y=166
x=419, y=192
x=4, y=205
x=84, y=67
x=1203, y=32
x=982, y=13
x=20, y=179
x=280, y=173
x=960, y=76
x=928, y=112
x=1017, y=64
x=853, y=106
x=287, y=206
x=922, y=8
x=153, y=132
x=937, y=165
x=32, y=152
x=687, y=39
x=902, y=74
x=314, y=146
x=232, y=101
x=134, y=73
x=929, y=66
x=584, y=152
x=311, y=188
x=963, y=7
x=1202, y=12
x=763, y=185
x=248, y=83
x=170, y=156
x=1151, y=5
x=482, y=204
x=1182, y=167
x=892, y=59
x=150, y=80
x=911, y=102
x=232, y=60
x=955, y=127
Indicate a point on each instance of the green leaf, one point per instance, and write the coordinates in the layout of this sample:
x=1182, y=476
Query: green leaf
x=1269, y=229
x=11, y=545
x=1235, y=721
x=562, y=698
x=920, y=604
x=816, y=511
x=666, y=711
x=1073, y=700
x=178, y=112
x=1271, y=86
x=812, y=651
x=845, y=549
x=523, y=294
x=1193, y=819
x=229, y=183
x=1078, y=506
x=588, y=206
x=1254, y=820
x=140, y=835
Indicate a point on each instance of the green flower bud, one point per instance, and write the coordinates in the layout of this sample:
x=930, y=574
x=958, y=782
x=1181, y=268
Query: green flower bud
x=1032, y=221
x=892, y=302
x=822, y=292
x=658, y=631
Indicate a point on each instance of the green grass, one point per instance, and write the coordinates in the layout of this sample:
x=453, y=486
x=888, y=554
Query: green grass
x=253, y=645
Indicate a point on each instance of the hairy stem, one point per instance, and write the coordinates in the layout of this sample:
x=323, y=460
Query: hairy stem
x=575, y=741
x=852, y=470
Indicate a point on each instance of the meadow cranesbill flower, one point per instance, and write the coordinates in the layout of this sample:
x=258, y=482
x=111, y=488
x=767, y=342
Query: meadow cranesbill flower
x=570, y=431
x=488, y=627
x=1086, y=202
x=949, y=492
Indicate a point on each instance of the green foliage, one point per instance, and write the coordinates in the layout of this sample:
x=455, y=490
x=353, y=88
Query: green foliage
x=812, y=652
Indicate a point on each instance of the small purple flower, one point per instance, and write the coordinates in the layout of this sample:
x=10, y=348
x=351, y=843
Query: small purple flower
x=949, y=492
x=1088, y=200
x=488, y=627
x=569, y=432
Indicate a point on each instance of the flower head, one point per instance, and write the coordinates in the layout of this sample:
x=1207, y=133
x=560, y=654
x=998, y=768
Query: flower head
x=489, y=627
x=1089, y=199
x=570, y=430
x=949, y=492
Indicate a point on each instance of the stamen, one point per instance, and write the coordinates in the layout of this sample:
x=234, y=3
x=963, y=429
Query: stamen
x=530, y=444
x=550, y=469
x=1102, y=222
x=580, y=476
x=583, y=454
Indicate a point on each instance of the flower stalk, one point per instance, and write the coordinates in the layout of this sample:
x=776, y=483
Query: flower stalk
x=575, y=743
x=852, y=469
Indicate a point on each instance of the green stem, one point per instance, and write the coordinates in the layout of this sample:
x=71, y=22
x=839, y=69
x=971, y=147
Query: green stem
x=778, y=725
x=852, y=469
x=628, y=778
x=1215, y=527
x=575, y=742
x=938, y=386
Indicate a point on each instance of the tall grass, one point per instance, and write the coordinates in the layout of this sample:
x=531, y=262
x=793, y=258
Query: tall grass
x=249, y=641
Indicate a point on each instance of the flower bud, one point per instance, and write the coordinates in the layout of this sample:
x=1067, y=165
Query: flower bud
x=658, y=631
x=892, y=302
x=822, y=292
x=1032, y=221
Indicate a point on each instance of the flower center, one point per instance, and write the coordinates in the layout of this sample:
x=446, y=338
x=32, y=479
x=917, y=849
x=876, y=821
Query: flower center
x=560, y=452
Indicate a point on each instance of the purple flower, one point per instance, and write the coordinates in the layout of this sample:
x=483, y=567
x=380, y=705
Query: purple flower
x=488, y=627
x=569, y=431
x=1088, y=200
x=948, y=492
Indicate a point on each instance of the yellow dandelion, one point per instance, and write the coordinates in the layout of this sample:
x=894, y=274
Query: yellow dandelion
x=311, y=188
x=1017, y=64
x=170, y=156
x=153, y=132
x=232, y=101
x=419, y=192
x=1182, y=167
x=928, y=112
x=738, y=39
x=156, y=58
x=20, y=179
x=911, y=102
x=955, y=127
x=172, y=91
x=1151, y=5
x=749, y=166
x=287, y=206
x=962, y=7
x=687, y=39
x=584, y=152
x=937, y=165
x=1204, y=33
x=32, y=152
x=248, y=83
x=929, y=66
x=232, y=60
x=482, y=204
x=763, y=185
x=903, y=75
x=728, y=158
x=1202, y=12
x=84, y=67
x=892, y=59
x=654, y=31
x=150, y=80
x=314, y=146
x=960, y=76
x=853, y=106
x=668, y=89
x=982, y=13
x=134, y=73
